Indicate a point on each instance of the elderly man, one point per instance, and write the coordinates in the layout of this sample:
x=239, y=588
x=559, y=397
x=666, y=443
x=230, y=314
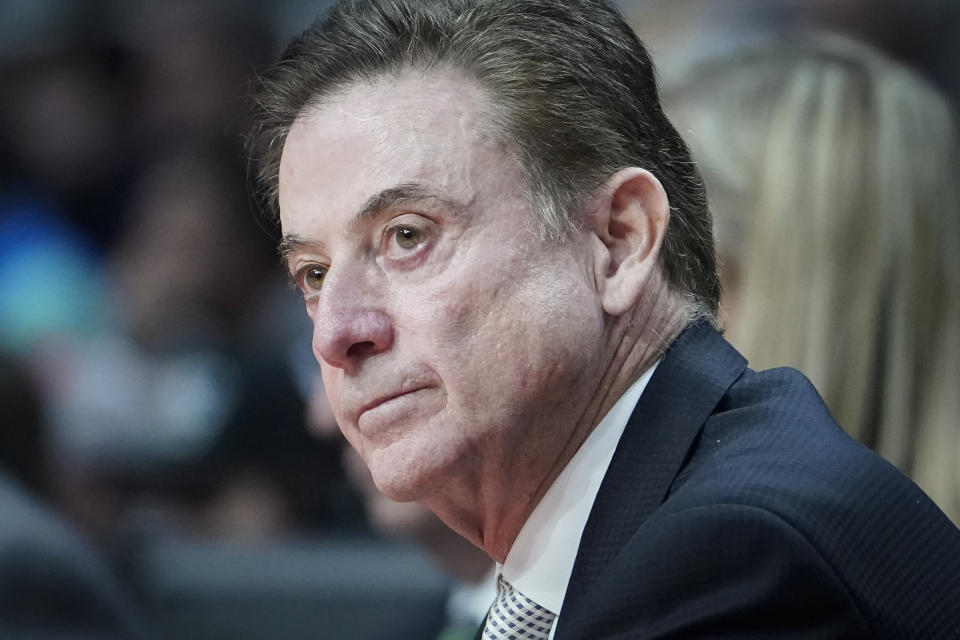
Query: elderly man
x=506, y=253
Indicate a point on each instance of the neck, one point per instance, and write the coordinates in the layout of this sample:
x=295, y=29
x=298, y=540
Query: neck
x=453, y=553
x=639, y=339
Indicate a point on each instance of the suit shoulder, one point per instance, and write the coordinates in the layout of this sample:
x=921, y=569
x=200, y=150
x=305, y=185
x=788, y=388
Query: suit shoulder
x=772, y=428
x=720, y=570
x=771, y=445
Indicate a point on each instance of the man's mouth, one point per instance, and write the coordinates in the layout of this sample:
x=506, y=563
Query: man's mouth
x=385, y=399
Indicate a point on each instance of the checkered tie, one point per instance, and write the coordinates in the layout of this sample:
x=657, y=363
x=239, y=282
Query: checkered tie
x=514, y=616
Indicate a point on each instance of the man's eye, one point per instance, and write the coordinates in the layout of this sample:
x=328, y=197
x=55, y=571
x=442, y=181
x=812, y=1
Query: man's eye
x=311, y=279
x=407, y=238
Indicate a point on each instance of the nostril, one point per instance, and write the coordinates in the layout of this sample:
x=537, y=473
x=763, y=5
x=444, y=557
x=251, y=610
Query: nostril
x=360, y=349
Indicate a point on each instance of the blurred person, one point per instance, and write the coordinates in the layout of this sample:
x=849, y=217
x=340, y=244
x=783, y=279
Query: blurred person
x=53, y=297
x=174, y=266
x=833, y=172
x=64, y=125
x=193, y=89
x=159, y=382
x=23, y=440
x=178, y=418
x=506, y=253
x=53, y=584
x=52, y=286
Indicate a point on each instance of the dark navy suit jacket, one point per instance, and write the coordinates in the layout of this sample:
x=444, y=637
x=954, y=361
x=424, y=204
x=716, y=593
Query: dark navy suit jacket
x=735, y=507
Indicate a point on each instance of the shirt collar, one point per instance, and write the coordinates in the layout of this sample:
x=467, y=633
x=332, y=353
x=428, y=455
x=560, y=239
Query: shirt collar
x=541, y=559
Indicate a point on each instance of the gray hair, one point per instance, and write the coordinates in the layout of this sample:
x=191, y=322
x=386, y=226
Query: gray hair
x=574, y=93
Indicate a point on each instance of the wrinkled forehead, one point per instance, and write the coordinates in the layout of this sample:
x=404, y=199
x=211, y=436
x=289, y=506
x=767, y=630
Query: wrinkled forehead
x=440, y=99
x=427, y=127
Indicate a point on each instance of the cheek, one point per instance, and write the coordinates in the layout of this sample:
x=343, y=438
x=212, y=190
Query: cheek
x=458, y=317
x=331, y=387
x=515, y=336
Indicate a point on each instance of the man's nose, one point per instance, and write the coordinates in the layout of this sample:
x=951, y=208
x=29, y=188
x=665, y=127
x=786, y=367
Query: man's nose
x=348, y=324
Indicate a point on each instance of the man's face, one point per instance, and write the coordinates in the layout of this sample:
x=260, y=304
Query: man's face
x=453, y=342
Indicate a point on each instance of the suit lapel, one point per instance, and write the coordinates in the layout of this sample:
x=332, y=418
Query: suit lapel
x=691, y=379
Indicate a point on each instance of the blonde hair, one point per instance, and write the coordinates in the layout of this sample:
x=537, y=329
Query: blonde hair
x=833, y=173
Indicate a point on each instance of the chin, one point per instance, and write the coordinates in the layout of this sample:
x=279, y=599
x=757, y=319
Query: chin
x=400, y=487
x=405, y=478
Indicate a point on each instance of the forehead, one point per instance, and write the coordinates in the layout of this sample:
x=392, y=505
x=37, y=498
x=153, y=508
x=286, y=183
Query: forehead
x=428, y=127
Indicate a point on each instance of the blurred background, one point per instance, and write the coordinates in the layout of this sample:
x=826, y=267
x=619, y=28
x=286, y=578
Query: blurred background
x=159, y=388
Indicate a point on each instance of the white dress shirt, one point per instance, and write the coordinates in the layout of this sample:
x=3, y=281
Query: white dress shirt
x=541, y=559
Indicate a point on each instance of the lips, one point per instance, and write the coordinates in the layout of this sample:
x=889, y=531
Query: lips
x=381, y=400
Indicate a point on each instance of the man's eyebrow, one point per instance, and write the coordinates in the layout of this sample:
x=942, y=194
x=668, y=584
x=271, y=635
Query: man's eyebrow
x=391, y=196
x=290, y=243
x=404, y=192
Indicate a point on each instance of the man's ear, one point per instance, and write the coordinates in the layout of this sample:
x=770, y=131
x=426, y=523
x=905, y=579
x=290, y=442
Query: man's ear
x=630, y=214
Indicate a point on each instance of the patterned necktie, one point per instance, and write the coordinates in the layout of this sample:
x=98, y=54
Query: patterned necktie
x=514, y=616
